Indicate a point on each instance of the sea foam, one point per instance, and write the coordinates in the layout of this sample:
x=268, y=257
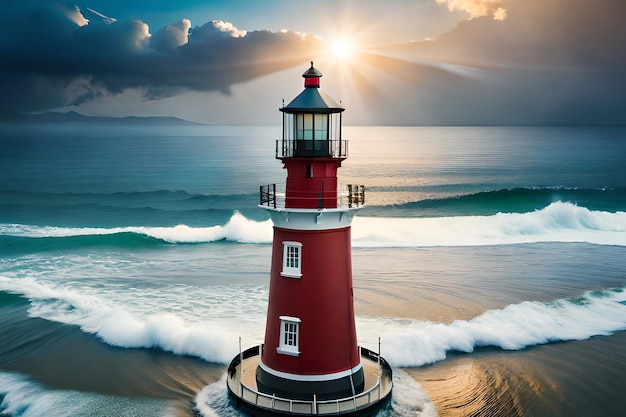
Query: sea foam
x=130, y=319
x=237, y=229
x=22, y=397
x=405, y=342
x=558, y=222
x=411, y=343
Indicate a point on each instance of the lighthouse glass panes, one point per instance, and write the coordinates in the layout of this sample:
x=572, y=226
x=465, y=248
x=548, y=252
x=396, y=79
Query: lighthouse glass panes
x=311, y=134
x=292, y=259
x=311, y=126
x=289, y=327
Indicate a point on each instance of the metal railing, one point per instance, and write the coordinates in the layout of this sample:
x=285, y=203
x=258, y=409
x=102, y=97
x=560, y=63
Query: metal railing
x=378, y=391
x=267, y=196
x=348, y=196
x=326, y=407
x=351, y=195
x=311, y=148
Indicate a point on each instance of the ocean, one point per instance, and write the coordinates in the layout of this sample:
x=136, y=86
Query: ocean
x=490, y=262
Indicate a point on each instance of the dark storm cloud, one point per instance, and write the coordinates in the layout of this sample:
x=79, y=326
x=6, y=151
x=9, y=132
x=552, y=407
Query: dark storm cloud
x=542, y=62
x=547, y=62
x=540, y=34
x=54, y=57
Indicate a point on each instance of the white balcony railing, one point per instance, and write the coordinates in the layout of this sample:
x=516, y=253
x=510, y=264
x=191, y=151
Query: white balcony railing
x=348, y=196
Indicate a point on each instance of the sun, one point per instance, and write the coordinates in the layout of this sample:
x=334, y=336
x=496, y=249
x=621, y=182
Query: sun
x=342, y=48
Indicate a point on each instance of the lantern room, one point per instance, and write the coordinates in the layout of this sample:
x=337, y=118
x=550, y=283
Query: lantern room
x=312, y=123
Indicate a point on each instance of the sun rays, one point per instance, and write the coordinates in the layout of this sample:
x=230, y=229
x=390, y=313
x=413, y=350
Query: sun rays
x=343, y=48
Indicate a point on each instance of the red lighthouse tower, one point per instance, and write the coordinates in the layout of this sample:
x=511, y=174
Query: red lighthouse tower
x=310, y=357
x=310, y=337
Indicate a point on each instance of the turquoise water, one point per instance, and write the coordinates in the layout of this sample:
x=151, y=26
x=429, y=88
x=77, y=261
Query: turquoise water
x=488, y=260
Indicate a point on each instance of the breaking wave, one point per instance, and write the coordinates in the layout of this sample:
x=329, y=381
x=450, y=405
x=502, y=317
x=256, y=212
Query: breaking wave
x=514, y=200
x=22, y=397
x=177, y=318
x=558, y=222
x=168, y=319
x=412, y=343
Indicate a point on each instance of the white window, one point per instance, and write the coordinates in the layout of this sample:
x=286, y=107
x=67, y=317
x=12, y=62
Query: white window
x=292, y=259
x=289, y=328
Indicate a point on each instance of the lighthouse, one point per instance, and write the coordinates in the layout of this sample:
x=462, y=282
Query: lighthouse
x=310, y=362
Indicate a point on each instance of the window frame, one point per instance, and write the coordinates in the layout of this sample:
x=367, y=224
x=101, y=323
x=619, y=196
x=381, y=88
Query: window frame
x=289, y=341
x=289, y=270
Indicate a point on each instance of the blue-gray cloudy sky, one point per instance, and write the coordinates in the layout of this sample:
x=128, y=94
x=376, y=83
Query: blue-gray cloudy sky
x=233, y=61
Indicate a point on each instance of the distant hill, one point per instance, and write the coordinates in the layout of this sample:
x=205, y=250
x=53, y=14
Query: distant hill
x=74, y=117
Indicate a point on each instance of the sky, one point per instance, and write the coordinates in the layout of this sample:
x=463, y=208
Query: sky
x=389, y=62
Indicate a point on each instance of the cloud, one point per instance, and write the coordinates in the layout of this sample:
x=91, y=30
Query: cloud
x=477, y=8
x=171, y=37
x=75, y=16
x=548, y=62
x=559, y=34
x=557, y=62
x=58, y=57
x=229, y=28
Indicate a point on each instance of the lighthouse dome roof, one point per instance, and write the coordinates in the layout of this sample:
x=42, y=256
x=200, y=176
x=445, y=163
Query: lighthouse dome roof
x=312, y=72
x=313, y=100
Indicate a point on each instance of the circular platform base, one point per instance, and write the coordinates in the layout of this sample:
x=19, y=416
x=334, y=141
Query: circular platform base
x=243, y=390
